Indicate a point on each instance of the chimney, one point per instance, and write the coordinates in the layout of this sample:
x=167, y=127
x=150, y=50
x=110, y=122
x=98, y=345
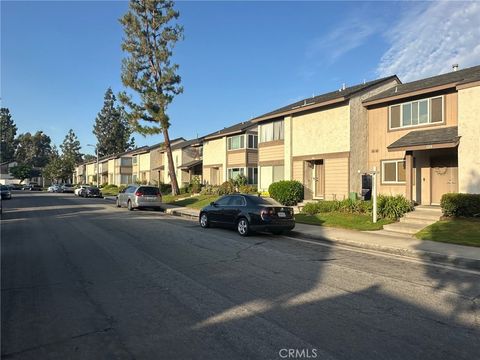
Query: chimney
x=455, y=67
x=343, y=86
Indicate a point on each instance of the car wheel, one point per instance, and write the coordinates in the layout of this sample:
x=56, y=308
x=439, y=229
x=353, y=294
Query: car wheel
x=129, y=205
x=243, y=227
x=204, y=223
x=118, y=203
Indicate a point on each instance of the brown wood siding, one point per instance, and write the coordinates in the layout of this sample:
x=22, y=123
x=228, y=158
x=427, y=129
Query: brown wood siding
x=252, y=157
x=336, y=178
x=236, y=158
x=269, y=153
x=297, y=171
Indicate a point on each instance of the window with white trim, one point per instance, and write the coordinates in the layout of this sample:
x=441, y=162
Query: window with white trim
x=252, y=141
x=272, y=131
x=232, y=173
x=252, y=175
x=393, y=172
x=236, y=142
x=134, y=160
x=417, y=113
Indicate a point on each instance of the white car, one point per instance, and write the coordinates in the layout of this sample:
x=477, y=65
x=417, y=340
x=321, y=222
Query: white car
x=78, y=190
x=54, y=188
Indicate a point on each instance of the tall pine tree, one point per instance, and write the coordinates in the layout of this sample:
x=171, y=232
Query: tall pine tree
x=151, y=32
x=8, y=131
x=71, y=155
x=111, y=127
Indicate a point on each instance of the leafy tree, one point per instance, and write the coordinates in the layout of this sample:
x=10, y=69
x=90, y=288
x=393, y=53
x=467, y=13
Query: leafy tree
x=8, y=130
x=151, y=32
x=23, y=171
x=88, y=157
x=112, y=128
x=59, y=167
x=33, y=150
x=71, y=148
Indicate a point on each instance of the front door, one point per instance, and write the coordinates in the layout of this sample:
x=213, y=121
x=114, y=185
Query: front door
x=308, y=180
x=319, y=179
x=444, y=177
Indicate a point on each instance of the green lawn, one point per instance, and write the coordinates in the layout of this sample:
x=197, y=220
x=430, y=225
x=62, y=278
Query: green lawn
x=342, y=220
x=196, y=202
x=170, y=199
x=454, y=231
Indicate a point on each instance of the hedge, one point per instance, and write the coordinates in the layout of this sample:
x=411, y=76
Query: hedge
x=286, y=192
x=393, y=207
x=467, y=205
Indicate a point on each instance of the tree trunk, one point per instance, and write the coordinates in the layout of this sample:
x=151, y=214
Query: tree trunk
x=171, y=166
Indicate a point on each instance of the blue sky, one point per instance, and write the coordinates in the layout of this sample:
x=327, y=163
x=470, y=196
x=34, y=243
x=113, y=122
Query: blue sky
x=238, y=59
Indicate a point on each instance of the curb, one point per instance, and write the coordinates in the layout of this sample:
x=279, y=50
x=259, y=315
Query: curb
x=444, y=259
x=175, y=212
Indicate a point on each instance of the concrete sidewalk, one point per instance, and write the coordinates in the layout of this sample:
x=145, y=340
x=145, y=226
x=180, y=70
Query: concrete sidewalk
x=457, y=255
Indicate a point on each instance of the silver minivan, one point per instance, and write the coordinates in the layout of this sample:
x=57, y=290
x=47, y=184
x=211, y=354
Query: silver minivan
x=140, y=196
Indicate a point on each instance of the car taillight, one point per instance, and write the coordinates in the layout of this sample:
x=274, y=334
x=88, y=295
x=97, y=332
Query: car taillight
x=138, y=193
x=265, y=213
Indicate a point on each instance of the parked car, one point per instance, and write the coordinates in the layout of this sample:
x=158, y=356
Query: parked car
x=5, y=192
x=54, y=188
x=67, y=188
x=32, y=187
x=80, y=189
x=91, y=191
x=248, y=213
x=15, y=187
x=140, y=196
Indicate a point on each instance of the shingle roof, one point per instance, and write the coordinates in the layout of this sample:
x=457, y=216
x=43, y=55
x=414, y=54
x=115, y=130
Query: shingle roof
x=427, y=137
x=456, y=77
x=191, y=164
x=333, y=95
x=185, y=144
x=161, y=144
x=240, y=127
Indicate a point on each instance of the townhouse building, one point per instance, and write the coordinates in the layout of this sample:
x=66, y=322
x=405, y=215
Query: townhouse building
x=319, y=141
x=424, y=136
x=230, y=152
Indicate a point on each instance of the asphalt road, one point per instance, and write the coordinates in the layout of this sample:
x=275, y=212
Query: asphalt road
x=82, y=279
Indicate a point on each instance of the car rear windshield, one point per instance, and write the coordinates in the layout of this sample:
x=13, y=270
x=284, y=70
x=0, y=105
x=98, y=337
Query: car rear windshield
x=264, y=201
x=147, y=190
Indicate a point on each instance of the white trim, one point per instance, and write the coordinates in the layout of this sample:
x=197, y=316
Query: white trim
x=396, y=161
x=233, y=136
x=429, y=100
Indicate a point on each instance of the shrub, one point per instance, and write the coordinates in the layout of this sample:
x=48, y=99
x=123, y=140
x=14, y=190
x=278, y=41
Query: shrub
x=165, y=188
x=393, y=207
x=121, y=188
x=228, y=187
x=210, y=190
x=195, y=185
x=240, y=180
x=286, y=192
x=346, y=206
x=467, y=205
x=248, y=189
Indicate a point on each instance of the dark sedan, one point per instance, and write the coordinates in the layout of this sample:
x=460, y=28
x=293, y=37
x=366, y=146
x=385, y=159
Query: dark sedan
x=248, y=213
x=91, y=191
x=5, y=192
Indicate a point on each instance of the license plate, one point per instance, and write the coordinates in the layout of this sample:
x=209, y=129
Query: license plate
x=281, y=214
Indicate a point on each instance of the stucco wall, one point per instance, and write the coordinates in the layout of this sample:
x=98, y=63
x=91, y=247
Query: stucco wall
x=214, y=151
x=469, y=148
x=321, y=132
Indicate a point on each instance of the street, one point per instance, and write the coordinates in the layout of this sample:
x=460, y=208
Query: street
x=82, y=279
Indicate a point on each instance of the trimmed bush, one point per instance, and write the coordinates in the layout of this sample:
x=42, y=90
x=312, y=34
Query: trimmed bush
x=286, y=192
x=393, y=207
x=210, y=190
x=345, y=206
x=248, y=189
x=228, y=187
x=467, y=205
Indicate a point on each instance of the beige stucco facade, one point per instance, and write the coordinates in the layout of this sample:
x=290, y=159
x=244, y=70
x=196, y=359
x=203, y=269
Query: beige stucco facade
x=469, y=132
x=215, y=161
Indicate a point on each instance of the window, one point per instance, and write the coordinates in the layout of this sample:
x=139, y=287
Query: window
x=272, y=131
x=134, y=160
x=236, y=142
x=223, y=201
x=417, y=113
x=252, y=175
x=126, y=161
x=252, y=141
x=393, y=172
x=234, y=172
x=237, y=201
